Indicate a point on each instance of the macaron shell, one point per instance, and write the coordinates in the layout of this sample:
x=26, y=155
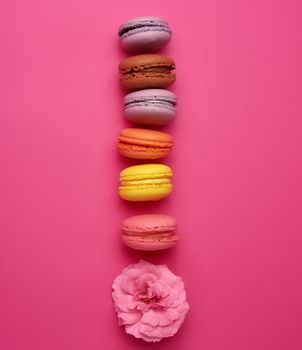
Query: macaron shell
x=147, y=80
x=146, y=171
x=141, y=152
x=150, y=115
x=147, y=137
x=147, y=192
x=149, y=223
x=138, y=62
x=144, y=34
x=142, y=19
x=151, y=95
x=142, y=22
x=146, y=41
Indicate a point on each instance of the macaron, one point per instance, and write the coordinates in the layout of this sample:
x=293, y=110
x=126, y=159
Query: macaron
x=150, y=107
x=144, y=143
x=149, y=232
x=144, y=34
x=147, y=72
x=145, y=182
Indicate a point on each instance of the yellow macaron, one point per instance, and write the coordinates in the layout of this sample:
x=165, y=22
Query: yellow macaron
x=146, y=182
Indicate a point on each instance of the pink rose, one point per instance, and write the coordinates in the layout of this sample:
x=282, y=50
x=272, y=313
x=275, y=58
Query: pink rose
x=150, y=301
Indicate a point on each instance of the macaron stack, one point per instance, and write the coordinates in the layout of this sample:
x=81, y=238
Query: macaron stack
x=148, y=104
x=145, y=76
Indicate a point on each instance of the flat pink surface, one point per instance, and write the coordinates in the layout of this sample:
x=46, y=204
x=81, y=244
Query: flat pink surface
x=237, y=163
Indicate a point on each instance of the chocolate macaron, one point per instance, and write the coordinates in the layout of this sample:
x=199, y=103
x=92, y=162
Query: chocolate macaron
x=147, y=72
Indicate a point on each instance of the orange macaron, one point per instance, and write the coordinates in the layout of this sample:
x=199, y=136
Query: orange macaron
x=144, y=143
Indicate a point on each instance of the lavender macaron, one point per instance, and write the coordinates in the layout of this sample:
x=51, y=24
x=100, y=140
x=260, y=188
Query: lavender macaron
x=144, y=34
x=150, y=107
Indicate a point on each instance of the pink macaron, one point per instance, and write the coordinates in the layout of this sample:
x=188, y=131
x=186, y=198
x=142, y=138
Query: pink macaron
x=149, y=232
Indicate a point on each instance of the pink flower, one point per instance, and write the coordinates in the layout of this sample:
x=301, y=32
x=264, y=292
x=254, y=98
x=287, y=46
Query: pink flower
x=150, y=301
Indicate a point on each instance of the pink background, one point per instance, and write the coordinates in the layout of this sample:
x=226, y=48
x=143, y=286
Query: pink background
x=237, y=163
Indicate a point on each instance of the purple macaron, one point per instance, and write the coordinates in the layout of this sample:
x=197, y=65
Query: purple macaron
x=150, y=107
x=144, y=34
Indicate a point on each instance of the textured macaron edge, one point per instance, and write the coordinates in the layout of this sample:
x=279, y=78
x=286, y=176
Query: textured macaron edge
x=133, y=178
x=141, y=152
x=149, y=222
x=150, y=96
x=145, y=137
x=154, y=230
x=147, y=244
x=146, y=171
x=146, y=62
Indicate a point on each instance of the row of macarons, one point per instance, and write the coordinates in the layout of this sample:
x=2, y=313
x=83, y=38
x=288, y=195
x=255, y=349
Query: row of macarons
x=147, y=104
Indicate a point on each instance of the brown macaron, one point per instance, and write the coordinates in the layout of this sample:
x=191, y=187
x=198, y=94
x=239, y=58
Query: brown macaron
x=144, y=143
x=147, y=72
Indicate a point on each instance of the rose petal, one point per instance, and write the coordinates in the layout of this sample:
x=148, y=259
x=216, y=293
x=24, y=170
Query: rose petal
x=134, y=330
x=156, y=288
x=156, y=332
x=125, y=303
x=166, y=290
x=116, y=286
x=151, y=317
x=168, y=317
x=128, y=284
x=175, y=303
x=143, y=280
x=129, y=317
x=166, y=302
x=133, y=304
x=150, y=339
x=156, y=318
